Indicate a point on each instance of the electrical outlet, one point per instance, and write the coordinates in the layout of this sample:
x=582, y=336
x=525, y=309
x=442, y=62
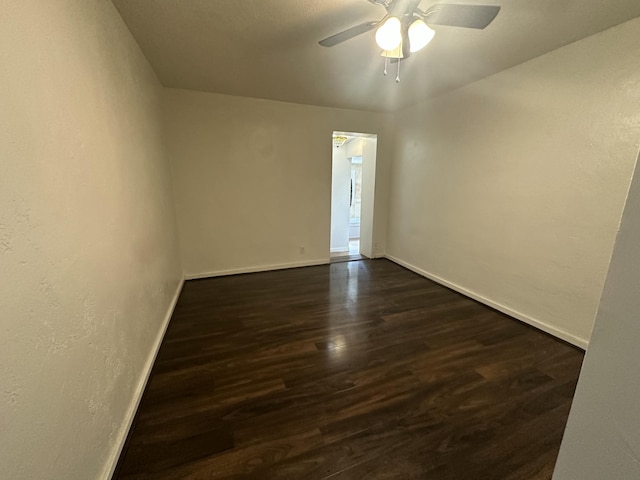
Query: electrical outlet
x=301, y=249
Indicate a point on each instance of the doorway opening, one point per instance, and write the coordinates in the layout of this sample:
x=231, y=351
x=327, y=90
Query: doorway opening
x=352, y=191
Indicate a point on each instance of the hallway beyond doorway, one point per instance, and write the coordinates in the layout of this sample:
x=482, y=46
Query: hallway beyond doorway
x=354, y=246
x=347, y=256
x=352, y=189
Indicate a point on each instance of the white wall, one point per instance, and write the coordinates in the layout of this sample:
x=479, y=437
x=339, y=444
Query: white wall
x=353, y=148
x=511, y=189
x=252, y=179
x=88, y=256
x=369, y=161
x=340, y=194
x=602, y=439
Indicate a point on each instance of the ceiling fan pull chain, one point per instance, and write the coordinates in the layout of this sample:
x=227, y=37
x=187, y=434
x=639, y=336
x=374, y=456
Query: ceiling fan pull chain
x=386, y=62
x=398, y=74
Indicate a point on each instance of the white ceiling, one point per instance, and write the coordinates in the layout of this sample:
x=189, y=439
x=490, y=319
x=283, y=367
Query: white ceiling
x=269, y=49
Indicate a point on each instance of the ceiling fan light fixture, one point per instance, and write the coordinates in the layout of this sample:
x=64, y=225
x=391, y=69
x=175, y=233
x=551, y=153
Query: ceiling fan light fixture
x=419, y=35
x=389, y=35
x=339, y=140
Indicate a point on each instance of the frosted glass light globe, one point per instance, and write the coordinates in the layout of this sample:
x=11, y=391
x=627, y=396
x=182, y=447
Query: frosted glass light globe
x=419, y=35
x=388, y=36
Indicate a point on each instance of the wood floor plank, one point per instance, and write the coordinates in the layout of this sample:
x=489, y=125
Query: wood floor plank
x=351, y=370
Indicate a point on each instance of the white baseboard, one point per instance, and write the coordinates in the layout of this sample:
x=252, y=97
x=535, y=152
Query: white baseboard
x=142, y=383
x=339, y=249
x=257, y=268
x=550, y=329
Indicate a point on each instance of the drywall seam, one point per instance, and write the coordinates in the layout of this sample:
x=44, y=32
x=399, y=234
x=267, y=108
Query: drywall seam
x=112, y=463
x=556, y=332
x=256, y=269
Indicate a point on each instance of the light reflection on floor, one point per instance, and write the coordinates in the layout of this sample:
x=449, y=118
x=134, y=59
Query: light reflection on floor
x=346, y=331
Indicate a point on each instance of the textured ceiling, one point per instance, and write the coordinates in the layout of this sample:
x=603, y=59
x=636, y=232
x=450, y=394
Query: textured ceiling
x=263, y=49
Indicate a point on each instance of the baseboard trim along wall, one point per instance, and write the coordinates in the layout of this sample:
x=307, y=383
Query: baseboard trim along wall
x=256, y=269
x=133, y=408
x=567, y=337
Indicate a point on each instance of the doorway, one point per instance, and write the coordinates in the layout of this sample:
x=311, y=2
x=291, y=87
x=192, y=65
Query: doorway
x=352, y=190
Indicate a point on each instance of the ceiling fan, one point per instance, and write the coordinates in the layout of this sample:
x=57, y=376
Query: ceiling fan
x=405, y=28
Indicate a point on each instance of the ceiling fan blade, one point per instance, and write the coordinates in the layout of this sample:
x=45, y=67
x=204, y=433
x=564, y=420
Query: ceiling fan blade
x=469, y=16
x=348, y=34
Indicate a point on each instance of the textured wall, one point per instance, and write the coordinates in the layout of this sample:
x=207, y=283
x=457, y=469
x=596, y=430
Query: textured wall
x=252, y=179
x=369, y=191
x=602, y=439
x=512, y=189
x=88, y=253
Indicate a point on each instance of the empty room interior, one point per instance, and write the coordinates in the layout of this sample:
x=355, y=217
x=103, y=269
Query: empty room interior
x=170, y=302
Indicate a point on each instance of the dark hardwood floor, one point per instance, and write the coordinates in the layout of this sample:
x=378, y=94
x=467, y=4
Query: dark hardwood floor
x=359, y=370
